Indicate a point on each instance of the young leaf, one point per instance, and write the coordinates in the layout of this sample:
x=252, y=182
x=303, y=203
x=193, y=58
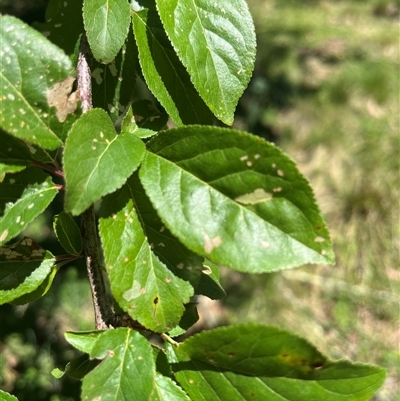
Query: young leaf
x=64, y=23
x=97, y=161
x=164, y=73
x=106, y=24
x=266, y=363
x=23, y=196
x=24, y=267
x=113, y=84
x=140, y=282
x=196, y=178
x=127, y=371
x=129, y=126
x=215, y=41
x=68, y=233
x=36, y=78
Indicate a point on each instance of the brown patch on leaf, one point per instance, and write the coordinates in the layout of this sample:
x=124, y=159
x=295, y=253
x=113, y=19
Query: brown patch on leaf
x=60, y=97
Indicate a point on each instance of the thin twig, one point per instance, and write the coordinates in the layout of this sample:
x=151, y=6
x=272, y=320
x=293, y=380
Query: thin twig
x=102, y=308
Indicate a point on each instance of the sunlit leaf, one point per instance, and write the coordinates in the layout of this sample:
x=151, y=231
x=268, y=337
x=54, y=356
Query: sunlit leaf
x=257, y=362
x=7, y=397
x=194, y=175
x=83, y=340
x=215, y=41
x=97, y=161
x=106, y=24
x=24, y=266
x=23, y=196
x=40, y=291
x=127, y=370
x=165, y=75
x=36, y=78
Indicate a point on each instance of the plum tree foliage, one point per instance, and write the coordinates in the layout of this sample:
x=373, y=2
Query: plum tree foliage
x=180, y=197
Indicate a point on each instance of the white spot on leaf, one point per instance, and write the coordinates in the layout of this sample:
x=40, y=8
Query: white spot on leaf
x=96, y=74
x=257, y=196
x=319, y=239
x=211, y=243
x=3, y=235
x=133, y=292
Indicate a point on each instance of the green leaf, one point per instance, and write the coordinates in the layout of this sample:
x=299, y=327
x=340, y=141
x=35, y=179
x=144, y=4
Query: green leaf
x=7, y=397
x=164, y=73
x=257, y=362
x=68, y=233
x=215, y=41
x=24, y=266
x=64, y=23
x=23, y=196
x=78, y=368
x=167, y=390
x=140, y=282
x=97, y=161
x=194, y=177
x=40, y=291
x=113, y=84
x=182, y=262
x=129, y=125
x=127, y=371
x=253, y=349
x=83, y=340
x=36, y=78
x=106, y=24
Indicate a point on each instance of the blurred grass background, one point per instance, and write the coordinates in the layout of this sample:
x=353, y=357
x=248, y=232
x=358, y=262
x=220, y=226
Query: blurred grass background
x=326, y=90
